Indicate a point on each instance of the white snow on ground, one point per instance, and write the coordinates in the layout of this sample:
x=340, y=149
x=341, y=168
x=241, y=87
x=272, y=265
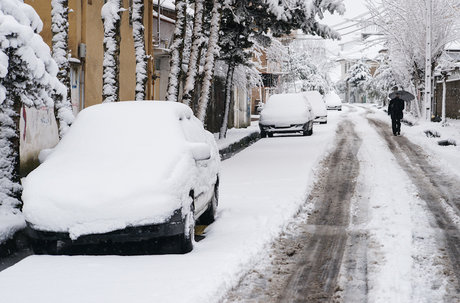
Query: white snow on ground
x=448, y=157
x=261, y=188
x=404, y=264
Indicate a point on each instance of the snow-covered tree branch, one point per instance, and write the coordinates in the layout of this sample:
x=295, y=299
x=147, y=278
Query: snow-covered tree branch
x=111, y=17
x=403, y=25
x=177, y=47
x=137, y=17
x=60, y=28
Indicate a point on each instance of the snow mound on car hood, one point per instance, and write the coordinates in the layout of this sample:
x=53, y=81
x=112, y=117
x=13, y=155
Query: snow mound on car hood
x=285, y=108
x=332, y=99
x=119, y=165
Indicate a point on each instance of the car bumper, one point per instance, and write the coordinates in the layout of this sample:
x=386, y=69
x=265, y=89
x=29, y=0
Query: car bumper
x=175, y=226
x=322, y=119
x=292, y=128
x=335, y=107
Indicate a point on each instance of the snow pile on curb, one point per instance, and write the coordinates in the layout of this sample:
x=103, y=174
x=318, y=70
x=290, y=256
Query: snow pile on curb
x=10, y=223
x=236, y=134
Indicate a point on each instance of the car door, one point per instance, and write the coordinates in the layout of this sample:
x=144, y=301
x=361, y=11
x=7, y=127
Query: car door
x=205, y=177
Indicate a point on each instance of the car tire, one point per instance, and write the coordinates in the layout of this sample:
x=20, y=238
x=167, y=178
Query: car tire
x=309, y=132
x=263, y=134
x=270, y=135
x=187, y=238
x=209, y=215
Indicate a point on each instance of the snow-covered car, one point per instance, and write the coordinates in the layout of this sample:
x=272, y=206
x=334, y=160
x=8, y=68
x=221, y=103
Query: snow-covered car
x=318, y=105
x=286, y=113
x=333, y=101
x=124, y=172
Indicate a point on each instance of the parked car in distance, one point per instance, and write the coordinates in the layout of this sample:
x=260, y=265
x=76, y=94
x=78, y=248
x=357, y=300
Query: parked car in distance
x=124, y=172
x=318, y=106
x=286, y=113
x=333, y=101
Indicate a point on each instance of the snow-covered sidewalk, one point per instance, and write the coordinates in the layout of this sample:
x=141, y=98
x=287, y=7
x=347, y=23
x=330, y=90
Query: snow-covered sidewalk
x=448, y=157
x=261, y=188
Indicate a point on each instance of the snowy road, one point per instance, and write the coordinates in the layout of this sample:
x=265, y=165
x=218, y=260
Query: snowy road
x=375, y=221
x=401, y=243
x=261, y=189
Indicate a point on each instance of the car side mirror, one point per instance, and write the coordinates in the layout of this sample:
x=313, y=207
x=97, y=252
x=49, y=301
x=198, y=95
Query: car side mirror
x=200, y=151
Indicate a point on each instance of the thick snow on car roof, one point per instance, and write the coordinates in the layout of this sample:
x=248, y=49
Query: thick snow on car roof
x=285, y=108
x=316, y=101
x=104, y=172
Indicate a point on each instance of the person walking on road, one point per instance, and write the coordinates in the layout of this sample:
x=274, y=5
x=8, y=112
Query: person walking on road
x=395, y=110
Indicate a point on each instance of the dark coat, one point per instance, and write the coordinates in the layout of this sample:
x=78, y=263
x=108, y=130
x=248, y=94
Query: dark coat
x=395, y=108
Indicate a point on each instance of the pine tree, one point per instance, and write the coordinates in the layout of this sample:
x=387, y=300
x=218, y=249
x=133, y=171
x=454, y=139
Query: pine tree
x=359, y=77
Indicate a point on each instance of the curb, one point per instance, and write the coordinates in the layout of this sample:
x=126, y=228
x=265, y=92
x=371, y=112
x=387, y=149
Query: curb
x=238, y=146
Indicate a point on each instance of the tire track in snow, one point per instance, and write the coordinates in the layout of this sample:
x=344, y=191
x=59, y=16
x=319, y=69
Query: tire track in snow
x=434, y=187
x=305, y=262
x=315, y=279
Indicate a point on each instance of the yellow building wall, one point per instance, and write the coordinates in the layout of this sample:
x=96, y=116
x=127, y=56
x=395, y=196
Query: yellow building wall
x=85, y=26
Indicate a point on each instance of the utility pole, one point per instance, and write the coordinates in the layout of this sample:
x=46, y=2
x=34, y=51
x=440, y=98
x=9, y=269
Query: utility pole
x=428, y=75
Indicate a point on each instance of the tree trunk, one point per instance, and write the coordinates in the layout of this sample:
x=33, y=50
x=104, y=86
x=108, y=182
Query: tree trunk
x=177, y=47
x=60, y=28
x=10, y=189
x=197, y=41
x=228, y=99
x=139, y=48
x=211, y=54
x=112, y=9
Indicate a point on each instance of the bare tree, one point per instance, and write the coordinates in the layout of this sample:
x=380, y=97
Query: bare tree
x=197, y=42
x=137, y=18
x=403, y=25
x=111, y=17
x=211, y=54
x=177, y=47
x=60, y=28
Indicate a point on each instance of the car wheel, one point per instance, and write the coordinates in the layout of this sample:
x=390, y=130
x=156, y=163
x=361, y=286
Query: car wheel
x=187, y=238
x=263, y=134
x=210, y=214
x=270, y=135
